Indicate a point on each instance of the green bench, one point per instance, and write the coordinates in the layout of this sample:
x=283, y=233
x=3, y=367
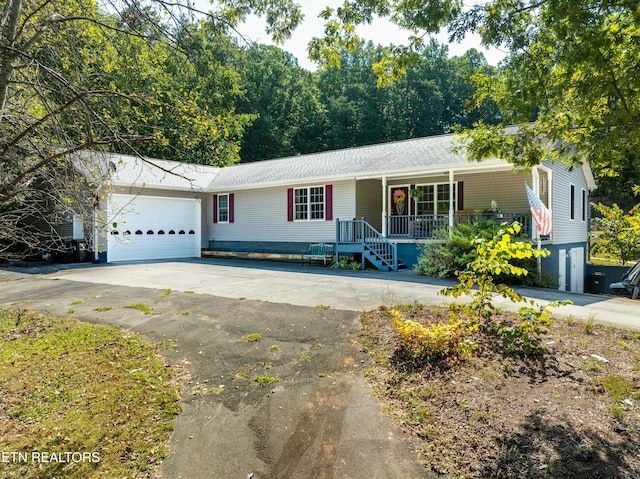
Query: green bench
x=319, y=251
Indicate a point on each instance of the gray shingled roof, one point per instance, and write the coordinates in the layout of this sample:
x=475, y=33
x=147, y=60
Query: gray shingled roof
x=131, y=171
x=164, y=174
x=409, y=156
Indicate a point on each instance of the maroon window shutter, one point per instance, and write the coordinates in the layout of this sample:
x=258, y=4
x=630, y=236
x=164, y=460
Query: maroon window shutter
x=290, y=204
x=231, y=208
x=215, y=208
x=328, y=202
x=413, y=208
x=460, y=195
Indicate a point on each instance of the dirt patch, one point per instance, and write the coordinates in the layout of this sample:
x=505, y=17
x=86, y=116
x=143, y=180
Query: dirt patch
x=572, y=412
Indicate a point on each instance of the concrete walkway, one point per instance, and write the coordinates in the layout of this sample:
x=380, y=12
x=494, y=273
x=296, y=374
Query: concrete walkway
x=313, y=286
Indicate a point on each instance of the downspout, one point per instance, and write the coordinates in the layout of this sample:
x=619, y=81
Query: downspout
x=384, y=206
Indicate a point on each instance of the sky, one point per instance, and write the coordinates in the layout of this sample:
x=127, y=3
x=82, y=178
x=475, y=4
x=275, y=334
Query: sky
x=381, y=31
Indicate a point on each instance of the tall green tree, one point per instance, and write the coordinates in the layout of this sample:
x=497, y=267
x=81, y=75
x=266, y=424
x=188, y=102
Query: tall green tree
x=431, y=98
x=570, y=83
x=73, y=77
x=620, y=232
x=355, y=107
x=290, y=118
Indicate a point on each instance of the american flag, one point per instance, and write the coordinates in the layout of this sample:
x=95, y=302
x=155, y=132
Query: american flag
x=541, y=215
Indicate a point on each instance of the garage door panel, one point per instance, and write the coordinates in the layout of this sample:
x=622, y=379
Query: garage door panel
x=148, y=222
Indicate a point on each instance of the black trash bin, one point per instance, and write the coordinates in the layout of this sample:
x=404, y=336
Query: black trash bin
x=79, y=251
x=597, y=281
x=66, y=253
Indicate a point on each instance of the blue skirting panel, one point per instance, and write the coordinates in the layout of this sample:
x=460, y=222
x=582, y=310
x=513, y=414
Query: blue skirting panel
x=275, y=247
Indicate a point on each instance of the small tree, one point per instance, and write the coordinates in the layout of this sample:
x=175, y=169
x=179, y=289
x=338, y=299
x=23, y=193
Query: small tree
x=620, y=232
x=495, y=257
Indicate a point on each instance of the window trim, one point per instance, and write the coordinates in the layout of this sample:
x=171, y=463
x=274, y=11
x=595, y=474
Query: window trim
x=584, y=199
x=435, y=197
x=219, y=209
x=572, y=202
x=309, y=203
x=230, y=208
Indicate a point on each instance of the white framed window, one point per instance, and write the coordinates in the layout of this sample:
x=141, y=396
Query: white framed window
x=434, y=199
x=223, y=208
x=309, y=203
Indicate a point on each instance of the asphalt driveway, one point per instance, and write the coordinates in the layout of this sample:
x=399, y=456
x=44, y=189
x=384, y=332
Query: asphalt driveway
x=320, y=419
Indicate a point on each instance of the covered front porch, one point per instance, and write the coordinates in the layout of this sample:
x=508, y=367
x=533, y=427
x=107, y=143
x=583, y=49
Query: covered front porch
x=401, y=209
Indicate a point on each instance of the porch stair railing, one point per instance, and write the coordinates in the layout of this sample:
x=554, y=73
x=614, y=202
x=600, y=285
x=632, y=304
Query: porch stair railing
x=358, y=236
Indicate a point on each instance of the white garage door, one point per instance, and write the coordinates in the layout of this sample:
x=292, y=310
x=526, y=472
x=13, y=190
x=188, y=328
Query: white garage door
x=152, y=227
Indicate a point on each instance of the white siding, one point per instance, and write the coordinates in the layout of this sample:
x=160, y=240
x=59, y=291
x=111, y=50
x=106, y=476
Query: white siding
x=369, y=202
x=505, y=187
x=261, y=215
x=565, y=229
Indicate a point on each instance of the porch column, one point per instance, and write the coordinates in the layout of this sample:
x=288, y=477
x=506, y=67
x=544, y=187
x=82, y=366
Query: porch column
x=384, y=206
x=451, y=198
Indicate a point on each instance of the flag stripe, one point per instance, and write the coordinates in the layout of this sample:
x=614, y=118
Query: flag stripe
x=541, y=215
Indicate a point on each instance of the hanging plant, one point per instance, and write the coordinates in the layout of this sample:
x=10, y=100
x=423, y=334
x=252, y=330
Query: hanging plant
x=415, y=194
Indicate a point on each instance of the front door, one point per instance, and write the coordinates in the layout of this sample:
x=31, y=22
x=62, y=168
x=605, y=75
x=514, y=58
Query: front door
x=399, y=208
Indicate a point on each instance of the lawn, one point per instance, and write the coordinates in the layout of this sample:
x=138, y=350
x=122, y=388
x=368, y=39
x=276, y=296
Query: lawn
x=80, y=400
x=570, y=412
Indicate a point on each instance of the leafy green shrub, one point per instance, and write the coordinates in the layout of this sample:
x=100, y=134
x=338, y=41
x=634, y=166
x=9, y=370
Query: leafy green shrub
x=526, y=331
x=494, y=258
x=448, y=254
x=345, y=262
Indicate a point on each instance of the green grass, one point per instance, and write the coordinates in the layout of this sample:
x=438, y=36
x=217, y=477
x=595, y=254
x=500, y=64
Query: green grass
x=145, y=308
x=252, y=338
x=68, y=386
x=102, y=309
x=265, y=378
x=619, y=387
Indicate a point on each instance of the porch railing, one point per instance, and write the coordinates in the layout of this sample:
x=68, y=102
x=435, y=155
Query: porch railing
x=428, y=226
x=378, y=249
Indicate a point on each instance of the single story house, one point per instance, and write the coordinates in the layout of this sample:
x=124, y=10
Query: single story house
x=378, y=202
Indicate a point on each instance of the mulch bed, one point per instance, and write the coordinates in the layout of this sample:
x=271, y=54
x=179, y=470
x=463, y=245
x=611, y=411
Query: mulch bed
x=571, y=412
